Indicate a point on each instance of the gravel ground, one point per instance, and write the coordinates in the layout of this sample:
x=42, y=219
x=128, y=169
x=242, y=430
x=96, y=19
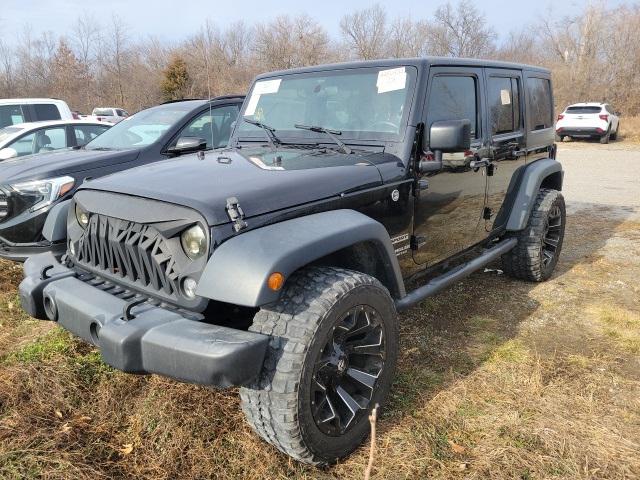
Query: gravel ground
x=602, y=175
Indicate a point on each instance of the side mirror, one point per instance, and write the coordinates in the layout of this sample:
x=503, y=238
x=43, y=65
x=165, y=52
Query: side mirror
x=446, y=136
x=450, y=136
x=7, y=153
x=188, y=145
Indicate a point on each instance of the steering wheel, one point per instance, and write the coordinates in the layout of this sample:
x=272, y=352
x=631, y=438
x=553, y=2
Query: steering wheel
x=384, y=123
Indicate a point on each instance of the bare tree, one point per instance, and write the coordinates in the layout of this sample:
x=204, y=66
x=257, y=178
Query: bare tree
x=364, y=32
x=407, y=38
x=461, y=31
x=289, y=42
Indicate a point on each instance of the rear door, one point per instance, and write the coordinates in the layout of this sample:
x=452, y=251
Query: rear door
x=505, y=120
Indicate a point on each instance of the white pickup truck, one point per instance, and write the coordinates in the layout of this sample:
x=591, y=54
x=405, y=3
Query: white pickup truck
x=108, y=114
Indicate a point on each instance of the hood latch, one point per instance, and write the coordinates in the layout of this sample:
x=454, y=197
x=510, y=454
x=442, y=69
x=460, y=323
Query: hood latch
x=236, y=215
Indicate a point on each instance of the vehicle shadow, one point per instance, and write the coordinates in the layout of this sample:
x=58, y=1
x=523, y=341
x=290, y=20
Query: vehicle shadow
x=448, y=336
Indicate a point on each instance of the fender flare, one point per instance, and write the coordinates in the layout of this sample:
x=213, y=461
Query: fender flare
x=238, y=269
x=528, y=182
x=55, y=226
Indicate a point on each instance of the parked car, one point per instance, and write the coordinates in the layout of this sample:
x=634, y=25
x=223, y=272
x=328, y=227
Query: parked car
x=22, y=110
x=588, y=120
x=32, y=187
x=278, y=264
x=109, y=114
x=39, y=137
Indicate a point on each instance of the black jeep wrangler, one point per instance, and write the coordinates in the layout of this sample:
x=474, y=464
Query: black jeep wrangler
x=279, y=264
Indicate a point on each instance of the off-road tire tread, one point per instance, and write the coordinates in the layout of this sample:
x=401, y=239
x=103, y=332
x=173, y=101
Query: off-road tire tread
x=270, y=404
x=524, y=261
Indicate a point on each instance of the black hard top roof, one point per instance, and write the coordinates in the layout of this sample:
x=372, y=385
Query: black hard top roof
x=418, y=62
x=197, y=101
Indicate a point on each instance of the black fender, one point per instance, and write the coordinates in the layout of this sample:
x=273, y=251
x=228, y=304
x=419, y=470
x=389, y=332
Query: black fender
x=523, y=189
x=55, y=226
x=238, y=270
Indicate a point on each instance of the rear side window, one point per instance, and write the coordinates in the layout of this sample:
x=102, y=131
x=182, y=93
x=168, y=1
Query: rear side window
x=539, y=108
x=577, y=110
x=504, y=104
x=453, y=98
x=10, y=115
x=46, y=111
x=85, y=133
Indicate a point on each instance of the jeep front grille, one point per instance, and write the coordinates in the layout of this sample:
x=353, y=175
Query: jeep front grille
x=129, y=250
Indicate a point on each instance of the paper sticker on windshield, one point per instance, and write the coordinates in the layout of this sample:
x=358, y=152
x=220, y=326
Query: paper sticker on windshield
x=251, y=106
x=267, y=86
x=392, y=79
x=505, y=97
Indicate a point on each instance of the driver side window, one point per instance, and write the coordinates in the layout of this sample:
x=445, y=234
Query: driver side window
x=453, y=97
x=214, y=126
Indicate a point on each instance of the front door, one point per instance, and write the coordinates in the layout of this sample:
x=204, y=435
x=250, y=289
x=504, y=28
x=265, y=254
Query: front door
x=505, y=121
x=449, y=203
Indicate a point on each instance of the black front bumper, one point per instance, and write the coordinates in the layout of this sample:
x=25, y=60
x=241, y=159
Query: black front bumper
x=155, y=340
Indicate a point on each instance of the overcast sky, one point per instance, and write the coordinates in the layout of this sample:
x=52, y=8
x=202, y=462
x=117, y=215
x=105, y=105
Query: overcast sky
x=172, y=21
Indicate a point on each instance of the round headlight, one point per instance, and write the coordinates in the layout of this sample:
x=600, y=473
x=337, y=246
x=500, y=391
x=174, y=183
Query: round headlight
x=82, y=216
x=194, y=242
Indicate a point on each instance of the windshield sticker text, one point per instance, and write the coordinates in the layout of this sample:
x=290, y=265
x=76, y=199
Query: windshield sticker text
x=392, y=79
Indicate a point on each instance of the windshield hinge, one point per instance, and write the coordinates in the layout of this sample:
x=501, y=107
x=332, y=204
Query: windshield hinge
x=236, y=215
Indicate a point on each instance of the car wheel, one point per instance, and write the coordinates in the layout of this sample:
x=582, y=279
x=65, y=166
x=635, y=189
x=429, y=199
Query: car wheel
x=536, y=254
x=559, y=138
x=614, y=135
x=331, y=359
x=604, y=139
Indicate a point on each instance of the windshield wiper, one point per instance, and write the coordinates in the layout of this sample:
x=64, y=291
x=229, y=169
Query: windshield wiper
x=331, y=133
x=273, y=140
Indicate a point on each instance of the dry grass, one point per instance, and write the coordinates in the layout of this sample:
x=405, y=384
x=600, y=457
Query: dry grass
x=630, y=129
x=497, y=379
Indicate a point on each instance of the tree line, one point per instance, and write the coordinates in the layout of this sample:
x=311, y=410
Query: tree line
x=594, y=55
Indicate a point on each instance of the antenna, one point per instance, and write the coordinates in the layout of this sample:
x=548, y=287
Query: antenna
x=205, y=54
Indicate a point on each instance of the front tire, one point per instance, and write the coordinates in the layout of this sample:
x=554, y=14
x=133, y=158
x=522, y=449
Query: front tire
x=536, y=254
x=331, y=360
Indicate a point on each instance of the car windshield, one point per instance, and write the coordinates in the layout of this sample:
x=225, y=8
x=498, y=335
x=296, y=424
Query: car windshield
x=584, y=109
x=141, y=129
x=103, y=112
x=7, y=132
x=363, y=103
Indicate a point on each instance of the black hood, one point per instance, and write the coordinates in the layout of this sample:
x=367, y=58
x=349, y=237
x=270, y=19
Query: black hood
x=62, y=162
x=262, y=180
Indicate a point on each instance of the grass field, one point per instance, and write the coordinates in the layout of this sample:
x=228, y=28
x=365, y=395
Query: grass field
x=497, y=379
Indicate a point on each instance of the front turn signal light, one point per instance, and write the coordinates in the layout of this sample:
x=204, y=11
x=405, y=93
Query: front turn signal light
x=275, y=281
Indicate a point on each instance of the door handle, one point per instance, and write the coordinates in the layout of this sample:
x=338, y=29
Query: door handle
x=518, y=153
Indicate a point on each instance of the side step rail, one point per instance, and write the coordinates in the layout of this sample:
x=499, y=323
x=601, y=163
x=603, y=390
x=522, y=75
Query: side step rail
x=458, y=273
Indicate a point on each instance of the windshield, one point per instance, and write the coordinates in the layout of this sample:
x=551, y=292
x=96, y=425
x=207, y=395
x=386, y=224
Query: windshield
x=141, y=129
x=363, y=103
x=8, y=132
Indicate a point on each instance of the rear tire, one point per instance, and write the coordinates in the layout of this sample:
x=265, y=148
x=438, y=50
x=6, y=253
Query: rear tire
x=614, y=135
x=332, y=357
x=605, y=138
x=536, y=254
